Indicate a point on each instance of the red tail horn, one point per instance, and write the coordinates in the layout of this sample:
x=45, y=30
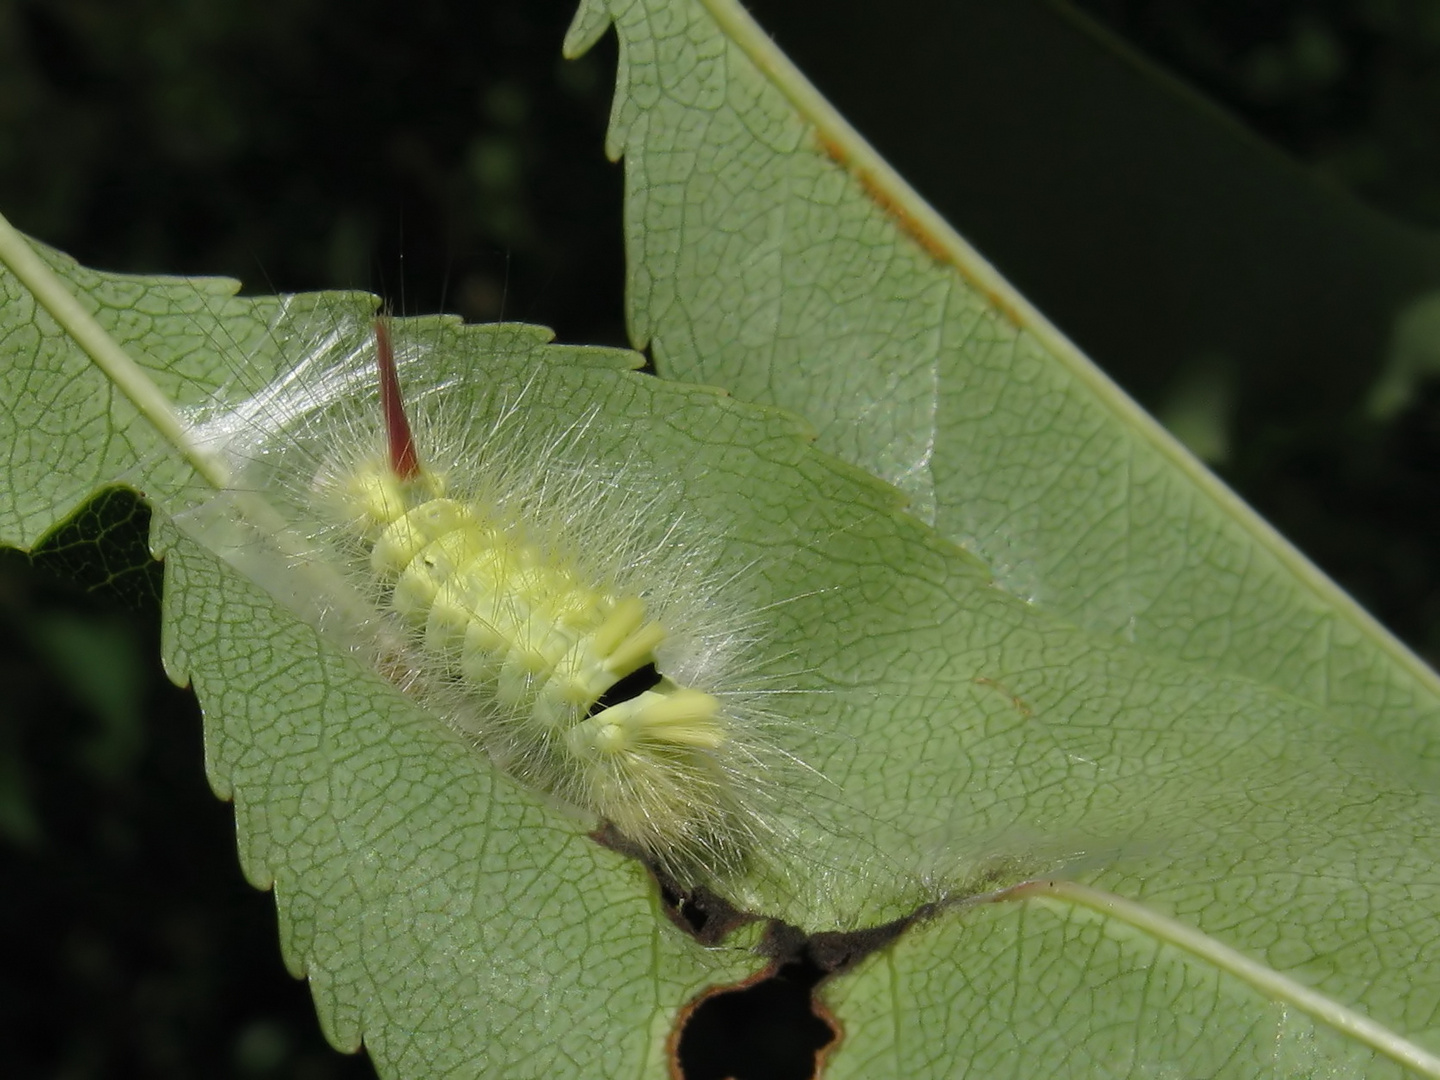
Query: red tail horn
x=403, y=460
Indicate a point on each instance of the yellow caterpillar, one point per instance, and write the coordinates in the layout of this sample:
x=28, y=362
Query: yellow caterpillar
x=554, y=665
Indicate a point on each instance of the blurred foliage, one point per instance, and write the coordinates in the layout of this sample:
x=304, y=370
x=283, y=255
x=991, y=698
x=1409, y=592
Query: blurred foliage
x=1351, y=87
x=444, y=154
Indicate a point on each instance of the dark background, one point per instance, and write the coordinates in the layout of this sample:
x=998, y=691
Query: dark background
x=1230, y=219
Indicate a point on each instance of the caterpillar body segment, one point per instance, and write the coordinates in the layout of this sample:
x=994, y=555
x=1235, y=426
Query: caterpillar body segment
x=549, y=643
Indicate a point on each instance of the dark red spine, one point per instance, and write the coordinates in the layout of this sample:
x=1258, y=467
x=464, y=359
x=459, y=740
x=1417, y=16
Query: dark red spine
x=403, y=459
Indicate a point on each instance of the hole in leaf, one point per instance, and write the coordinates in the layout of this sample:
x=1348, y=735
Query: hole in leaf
x=768, y=1030
x=772, y=1027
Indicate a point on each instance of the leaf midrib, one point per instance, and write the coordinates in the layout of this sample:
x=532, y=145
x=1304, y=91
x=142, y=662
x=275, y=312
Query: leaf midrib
x=1074, y=896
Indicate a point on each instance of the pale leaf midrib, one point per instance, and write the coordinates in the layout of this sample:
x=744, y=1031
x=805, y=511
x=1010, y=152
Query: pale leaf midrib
x=1263, y=979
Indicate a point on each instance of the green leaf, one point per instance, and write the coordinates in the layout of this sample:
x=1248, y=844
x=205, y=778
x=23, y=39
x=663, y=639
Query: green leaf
x=772, y=252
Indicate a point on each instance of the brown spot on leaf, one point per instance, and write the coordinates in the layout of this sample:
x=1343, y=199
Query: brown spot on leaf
x=928, y=242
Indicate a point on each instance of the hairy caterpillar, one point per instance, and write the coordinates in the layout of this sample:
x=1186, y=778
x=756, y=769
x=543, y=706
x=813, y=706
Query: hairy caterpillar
x=557, y=609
